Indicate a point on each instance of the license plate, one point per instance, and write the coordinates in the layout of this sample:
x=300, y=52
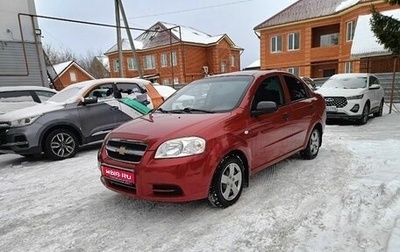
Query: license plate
x=123, y=176
x=331, y=109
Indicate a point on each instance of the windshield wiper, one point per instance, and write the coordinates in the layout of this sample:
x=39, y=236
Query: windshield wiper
x=190, y=110
x=163, y=110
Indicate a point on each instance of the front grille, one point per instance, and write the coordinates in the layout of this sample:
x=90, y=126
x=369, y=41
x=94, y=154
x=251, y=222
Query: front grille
x=128, y=188
x=125, y=150
x=3, y=136
x=339, y=102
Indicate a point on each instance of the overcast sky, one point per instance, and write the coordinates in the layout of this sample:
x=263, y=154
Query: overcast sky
x=237, y=18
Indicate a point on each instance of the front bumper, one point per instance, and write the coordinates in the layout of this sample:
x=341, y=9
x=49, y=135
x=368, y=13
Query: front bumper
x=20, y=140
x=169, y=180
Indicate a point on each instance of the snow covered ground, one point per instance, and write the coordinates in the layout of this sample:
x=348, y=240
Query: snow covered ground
x=347, y=199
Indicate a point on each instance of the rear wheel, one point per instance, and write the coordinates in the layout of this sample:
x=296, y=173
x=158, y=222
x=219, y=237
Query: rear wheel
x=61, y=144
x=312, y=149
x=227, y=183
x=380, y=111
x=365, y=115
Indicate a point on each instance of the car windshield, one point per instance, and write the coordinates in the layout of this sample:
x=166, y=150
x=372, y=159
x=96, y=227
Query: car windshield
x=346, y=82
x=65, y=94
x=209, y=95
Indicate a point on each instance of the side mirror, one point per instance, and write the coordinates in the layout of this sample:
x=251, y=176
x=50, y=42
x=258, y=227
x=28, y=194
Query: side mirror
x=264, y=107
x=375, y=86
x=89, y=100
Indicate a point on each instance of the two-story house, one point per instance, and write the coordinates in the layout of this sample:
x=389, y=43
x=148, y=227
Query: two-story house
x=316, y=38
x=171, y=54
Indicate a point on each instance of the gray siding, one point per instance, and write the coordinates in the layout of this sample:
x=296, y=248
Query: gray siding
x=13, y=70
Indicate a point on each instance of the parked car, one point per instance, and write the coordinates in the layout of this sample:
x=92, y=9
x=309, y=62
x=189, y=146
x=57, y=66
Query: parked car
x=238, y=124
x=353, y=96
x=17, y=97
x=81, y=113
x=310, y=82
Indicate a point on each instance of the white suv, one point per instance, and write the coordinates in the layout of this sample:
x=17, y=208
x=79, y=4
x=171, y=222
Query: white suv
x=353, y=96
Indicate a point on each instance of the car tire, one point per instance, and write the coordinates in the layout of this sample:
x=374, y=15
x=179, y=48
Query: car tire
x=380, y=111
x=227, y=183
x=60, y=144
x=365, y=115
x=312, y=149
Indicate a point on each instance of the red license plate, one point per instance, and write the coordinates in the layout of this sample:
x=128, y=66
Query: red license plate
x=124, y=176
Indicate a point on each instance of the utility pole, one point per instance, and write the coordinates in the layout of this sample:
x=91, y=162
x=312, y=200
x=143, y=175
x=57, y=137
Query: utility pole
x=119, y=40
x=131, y=42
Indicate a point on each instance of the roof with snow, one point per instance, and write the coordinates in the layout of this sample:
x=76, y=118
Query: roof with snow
x=61, y=68
x=254, y=65
x=159, y=35
x=365, y=44
x=308, y=9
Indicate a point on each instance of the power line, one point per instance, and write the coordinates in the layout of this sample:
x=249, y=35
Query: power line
x=188, y=10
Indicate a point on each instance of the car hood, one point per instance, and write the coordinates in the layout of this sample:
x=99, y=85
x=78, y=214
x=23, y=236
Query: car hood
x=156, y=128
x=339, y=92
x=31, y=111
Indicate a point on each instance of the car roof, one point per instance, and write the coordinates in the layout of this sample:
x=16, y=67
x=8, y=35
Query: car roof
x=83, y=84
x=352, y=75
x=24, y=88
x=255, y=73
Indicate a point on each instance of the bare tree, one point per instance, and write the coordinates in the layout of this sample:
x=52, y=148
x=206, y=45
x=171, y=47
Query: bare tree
x=92, y=63
x=59, y=55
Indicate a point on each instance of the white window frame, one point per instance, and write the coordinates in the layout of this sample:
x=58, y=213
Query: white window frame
x=294, y=70
x=276, y=44
x=176, y=80
x=233, y=60
x=165, y=81
x=72, y=76
x=292, y=39
x=174, y=59
x=116, y=65
x=132, y=64
x=223, y=66
x=350, y=29
x=164, y=60
x=348, y=67
x=149, y=61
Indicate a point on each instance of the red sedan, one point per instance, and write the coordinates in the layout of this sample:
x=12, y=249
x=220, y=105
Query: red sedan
x=208, y=138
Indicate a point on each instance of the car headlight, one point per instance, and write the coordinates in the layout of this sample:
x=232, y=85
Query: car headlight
x=181, y=147
x=24, y=121
x=355, y=97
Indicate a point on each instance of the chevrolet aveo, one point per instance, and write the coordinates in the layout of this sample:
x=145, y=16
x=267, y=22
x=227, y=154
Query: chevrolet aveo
x=237, y=124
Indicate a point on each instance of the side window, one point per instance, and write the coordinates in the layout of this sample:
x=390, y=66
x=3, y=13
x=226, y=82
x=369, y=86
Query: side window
x=269, y=90
x=373, y=80
x=104, y=91
x=133, y=91
x=44, y=95
x=296, y=88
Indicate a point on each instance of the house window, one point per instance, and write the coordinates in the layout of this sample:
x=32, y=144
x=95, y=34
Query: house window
x=294, y=70
x=174, y=59
x=176, y=80
x=276, y=44
x=223, y=66
x=348, y=67
x=329, y=39
x=72, y=76
x=116, y=65
x=149, y=62
x=350, y=28
x=232, y=60
x=165, y=82
x=164, y=60
x=294, y=41
x=132, y=64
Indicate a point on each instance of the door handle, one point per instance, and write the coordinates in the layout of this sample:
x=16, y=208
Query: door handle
x=286, y=116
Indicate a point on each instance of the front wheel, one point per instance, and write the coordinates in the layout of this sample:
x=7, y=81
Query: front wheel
x=61, y=144
x=227, y=183
x=380, y=111
x=314, y=142
x=365, y=115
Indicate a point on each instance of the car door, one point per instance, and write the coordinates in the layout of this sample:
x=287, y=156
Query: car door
x=269, y=132
x=302, y=109
x=374, y=94
x=100, y=117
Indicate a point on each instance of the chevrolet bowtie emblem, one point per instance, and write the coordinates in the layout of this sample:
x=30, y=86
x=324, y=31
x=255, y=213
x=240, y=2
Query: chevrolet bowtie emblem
x=122, y=150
